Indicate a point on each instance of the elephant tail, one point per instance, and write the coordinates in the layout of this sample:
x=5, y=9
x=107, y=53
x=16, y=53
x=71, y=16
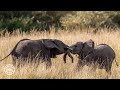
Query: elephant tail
x=116, y=62
x=5, y=57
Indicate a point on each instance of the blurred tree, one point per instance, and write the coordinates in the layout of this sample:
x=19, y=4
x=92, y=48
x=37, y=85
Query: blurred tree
x=49, y=18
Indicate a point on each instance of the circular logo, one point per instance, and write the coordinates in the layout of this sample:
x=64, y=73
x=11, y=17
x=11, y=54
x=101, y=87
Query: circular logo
x=9, y=69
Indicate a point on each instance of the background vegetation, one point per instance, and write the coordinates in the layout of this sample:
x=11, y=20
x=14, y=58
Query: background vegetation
x=60, y=20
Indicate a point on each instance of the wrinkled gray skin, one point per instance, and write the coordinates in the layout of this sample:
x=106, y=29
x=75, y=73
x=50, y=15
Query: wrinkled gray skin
x=37, y=50
x=101, y=55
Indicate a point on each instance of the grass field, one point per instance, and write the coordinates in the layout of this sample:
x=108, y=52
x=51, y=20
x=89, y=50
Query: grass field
x=59, y=70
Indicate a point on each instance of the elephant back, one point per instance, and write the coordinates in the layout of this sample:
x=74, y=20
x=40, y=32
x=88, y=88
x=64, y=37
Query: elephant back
x=105, y=50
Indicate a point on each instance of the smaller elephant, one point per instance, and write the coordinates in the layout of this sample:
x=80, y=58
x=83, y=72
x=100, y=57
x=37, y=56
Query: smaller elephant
x=101, y=55
x=40, y=50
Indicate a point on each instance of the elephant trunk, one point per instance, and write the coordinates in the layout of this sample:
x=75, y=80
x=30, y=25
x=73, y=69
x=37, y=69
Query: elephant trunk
x=67, y=53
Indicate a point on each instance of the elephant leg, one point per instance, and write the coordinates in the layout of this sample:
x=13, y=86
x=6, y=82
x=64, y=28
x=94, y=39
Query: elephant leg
x=80, y=65
x=20, y=62
x=108, y=67
x=14, y=62
x=37, y=62
x=48, y=63
x=94, y=67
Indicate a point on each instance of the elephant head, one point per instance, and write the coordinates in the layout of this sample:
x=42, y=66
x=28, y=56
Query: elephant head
x=56, y=47
x=82, y=48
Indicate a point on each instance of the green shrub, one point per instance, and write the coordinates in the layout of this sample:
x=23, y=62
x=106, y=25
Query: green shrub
x=44, y=20
x=94, y=19
x=13, y=24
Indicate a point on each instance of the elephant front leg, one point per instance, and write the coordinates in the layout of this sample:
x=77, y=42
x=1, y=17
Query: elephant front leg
x=80, y=65
x=48, y=63
x=93, y=67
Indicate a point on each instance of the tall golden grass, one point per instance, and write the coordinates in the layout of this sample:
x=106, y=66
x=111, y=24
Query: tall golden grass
x=59, y=70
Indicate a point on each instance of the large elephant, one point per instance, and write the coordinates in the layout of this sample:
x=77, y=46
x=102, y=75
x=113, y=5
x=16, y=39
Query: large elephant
x=101, y=55
x=37, y=50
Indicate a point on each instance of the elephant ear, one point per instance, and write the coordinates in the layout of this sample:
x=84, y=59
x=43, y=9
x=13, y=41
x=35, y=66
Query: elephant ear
x=90, y=43
x=50, y=44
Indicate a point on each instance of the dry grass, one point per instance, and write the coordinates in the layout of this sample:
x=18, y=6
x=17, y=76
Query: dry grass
x=59, y=70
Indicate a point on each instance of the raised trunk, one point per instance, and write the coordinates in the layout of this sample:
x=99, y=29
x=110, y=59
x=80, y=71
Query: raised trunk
x=67, y=53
